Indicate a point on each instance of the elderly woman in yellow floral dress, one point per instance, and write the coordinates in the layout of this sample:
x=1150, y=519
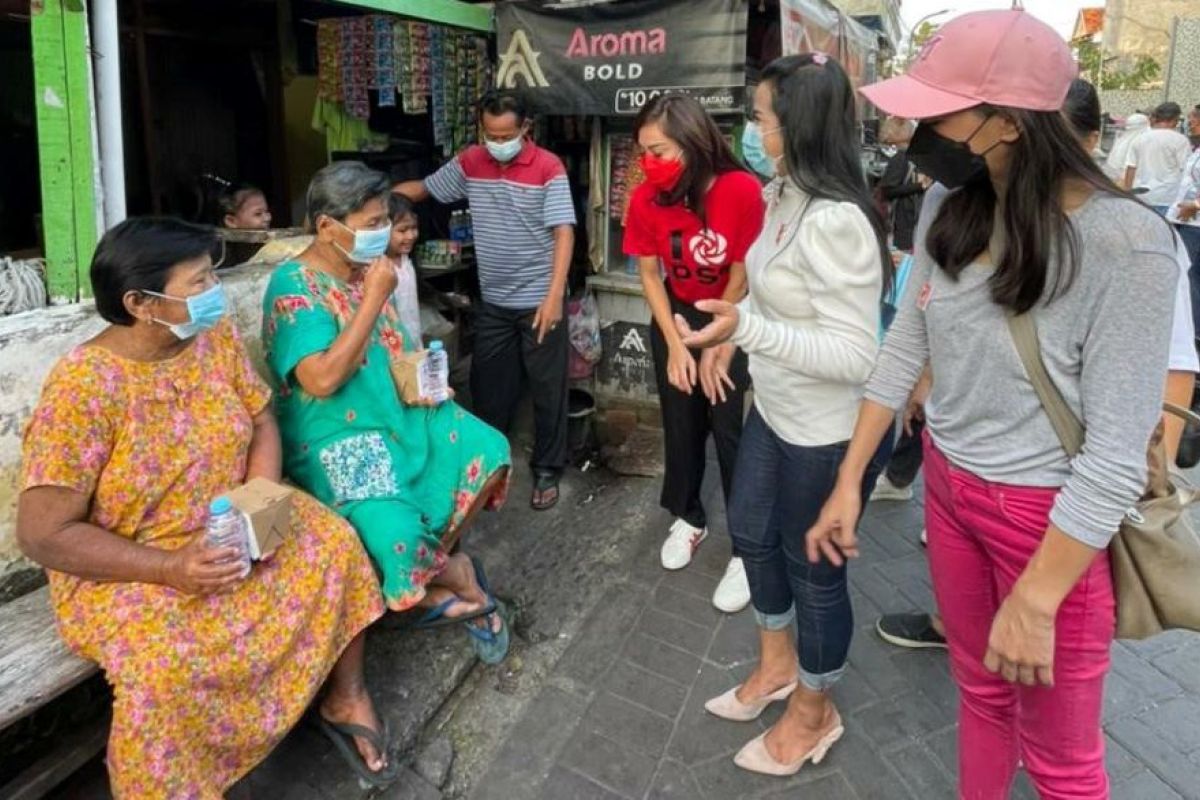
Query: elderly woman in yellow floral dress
x=136, y=432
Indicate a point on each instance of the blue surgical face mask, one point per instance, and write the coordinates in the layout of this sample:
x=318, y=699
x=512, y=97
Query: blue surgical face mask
x=754, y=152
x=504, y=151
x=205, y=310
x=368, y=244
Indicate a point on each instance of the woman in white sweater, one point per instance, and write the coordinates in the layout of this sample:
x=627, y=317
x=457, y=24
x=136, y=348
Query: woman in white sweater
x=816, y=274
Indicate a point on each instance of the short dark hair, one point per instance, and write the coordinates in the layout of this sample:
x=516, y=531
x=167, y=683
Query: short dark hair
x=1165, y=112
x=400, y=206
x=234, y=197
x=138, y=255
x=498, y=102
x=343, y=187
x=1082, y=107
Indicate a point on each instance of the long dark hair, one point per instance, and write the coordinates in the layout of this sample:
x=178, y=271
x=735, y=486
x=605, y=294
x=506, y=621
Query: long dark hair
x=706, y=153
x=814, y=101
x=1036, y=228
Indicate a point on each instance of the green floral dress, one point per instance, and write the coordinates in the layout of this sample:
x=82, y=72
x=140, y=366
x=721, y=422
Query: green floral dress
x=404, y=476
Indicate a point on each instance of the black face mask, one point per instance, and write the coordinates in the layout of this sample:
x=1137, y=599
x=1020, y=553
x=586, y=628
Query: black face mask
x=948, y=161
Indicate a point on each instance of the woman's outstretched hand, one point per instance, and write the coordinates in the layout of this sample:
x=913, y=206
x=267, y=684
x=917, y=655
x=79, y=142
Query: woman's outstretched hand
x=719, y=331
x=834, y=534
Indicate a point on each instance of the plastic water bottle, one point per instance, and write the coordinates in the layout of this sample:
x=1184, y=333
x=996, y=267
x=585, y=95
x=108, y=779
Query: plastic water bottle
x=436, y=380
x=226, y=527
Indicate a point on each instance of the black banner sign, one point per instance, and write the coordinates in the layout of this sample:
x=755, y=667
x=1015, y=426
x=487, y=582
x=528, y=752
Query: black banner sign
x=610, y=58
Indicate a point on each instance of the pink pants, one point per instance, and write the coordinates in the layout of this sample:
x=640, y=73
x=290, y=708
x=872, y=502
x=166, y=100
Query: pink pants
x=981, y=536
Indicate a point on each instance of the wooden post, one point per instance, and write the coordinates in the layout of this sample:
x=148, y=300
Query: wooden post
x=65, y=117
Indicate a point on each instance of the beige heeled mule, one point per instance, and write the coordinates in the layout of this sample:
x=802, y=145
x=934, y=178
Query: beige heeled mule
x=727, y=706
x=755, y=757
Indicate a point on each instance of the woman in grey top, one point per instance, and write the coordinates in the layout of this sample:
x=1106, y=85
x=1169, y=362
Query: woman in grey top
x=1017, y=530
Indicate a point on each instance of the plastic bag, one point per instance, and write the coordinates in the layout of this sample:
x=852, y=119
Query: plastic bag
x=583, y=325
x=583, y=328
x=407, y=302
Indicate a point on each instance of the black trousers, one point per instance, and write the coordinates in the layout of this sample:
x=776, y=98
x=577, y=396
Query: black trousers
x=506, y=355
x=687, y=421
x=906, y=458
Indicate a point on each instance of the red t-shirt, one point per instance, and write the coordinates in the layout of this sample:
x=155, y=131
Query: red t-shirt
x=697, y=258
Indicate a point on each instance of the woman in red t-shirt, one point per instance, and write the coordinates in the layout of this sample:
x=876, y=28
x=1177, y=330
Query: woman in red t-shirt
x=696, y=214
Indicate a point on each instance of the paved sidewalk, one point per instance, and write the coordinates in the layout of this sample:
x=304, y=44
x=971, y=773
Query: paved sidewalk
x=621, y=714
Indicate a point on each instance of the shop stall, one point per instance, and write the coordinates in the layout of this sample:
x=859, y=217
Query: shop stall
x=598, y=64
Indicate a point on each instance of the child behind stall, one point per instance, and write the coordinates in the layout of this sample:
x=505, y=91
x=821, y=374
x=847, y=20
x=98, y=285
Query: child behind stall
x=244, y=207
x=404, y=239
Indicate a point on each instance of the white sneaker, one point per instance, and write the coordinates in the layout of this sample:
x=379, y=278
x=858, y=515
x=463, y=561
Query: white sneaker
x=886, y=490
x=680, y=546
x=924, y=538
x=733, y=592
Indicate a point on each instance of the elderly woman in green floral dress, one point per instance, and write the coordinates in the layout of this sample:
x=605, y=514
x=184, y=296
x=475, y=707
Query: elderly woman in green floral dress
x=407, y=477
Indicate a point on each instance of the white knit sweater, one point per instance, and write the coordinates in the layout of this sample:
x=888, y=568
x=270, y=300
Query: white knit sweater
x=810, y=321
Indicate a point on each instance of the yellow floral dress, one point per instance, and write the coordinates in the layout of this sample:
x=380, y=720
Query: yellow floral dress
x=205, y=687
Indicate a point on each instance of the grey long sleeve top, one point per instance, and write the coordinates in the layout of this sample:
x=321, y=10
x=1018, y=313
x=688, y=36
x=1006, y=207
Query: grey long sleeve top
x=1104, y=342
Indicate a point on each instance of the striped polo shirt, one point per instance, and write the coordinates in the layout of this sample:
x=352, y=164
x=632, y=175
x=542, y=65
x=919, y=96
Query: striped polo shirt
x=515, y=208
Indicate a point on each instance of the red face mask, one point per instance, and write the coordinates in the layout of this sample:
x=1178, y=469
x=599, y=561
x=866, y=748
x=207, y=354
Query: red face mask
x=661, y=173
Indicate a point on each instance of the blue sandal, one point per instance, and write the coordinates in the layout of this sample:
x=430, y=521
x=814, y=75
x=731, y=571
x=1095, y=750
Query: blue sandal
x=491, y=646
x=436, y=617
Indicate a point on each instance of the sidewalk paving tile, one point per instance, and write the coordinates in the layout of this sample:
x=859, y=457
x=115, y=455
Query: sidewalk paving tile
x=675, y=631
x=645, y=688
x=653, y=659
x=674, y=781
x=633, y=726
x=619, y=768
x=564, y=783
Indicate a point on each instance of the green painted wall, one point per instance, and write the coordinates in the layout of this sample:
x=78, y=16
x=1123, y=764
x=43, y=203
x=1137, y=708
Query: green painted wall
x=63, y=98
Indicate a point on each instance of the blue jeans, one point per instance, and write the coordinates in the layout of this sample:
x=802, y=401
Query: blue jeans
x=778, y=492
x=1190, y=234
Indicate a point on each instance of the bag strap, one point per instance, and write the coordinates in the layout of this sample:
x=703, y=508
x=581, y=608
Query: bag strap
x=1186, y=414
x=1067, y=426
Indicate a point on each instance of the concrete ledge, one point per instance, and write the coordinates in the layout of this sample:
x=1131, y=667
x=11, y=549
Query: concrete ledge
x=618, y=282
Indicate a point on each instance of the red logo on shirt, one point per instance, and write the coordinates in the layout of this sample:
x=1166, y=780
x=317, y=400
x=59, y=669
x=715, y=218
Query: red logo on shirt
x=709, y=248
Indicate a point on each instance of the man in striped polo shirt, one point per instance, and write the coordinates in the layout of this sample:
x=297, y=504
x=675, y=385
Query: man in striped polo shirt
x=524, y=235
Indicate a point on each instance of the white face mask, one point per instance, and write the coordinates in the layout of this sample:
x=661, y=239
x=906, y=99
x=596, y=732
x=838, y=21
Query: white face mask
x=368, y=244
x=505, y=151
x=205, y=310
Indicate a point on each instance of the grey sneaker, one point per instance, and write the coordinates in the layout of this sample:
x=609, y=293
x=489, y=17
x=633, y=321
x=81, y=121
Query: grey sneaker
x=909, y=630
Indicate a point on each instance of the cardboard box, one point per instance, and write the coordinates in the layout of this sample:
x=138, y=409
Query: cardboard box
x=267, y=507
x=407, y=373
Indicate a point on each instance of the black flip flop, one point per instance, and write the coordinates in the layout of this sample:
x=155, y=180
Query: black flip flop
x=544, y=482
x=342, y=735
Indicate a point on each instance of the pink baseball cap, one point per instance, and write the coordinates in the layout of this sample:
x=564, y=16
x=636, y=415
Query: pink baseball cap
x=1003, y=58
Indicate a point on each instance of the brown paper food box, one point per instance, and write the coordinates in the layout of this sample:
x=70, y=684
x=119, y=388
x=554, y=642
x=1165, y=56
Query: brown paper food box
x=268, y=507
x=406, y=372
